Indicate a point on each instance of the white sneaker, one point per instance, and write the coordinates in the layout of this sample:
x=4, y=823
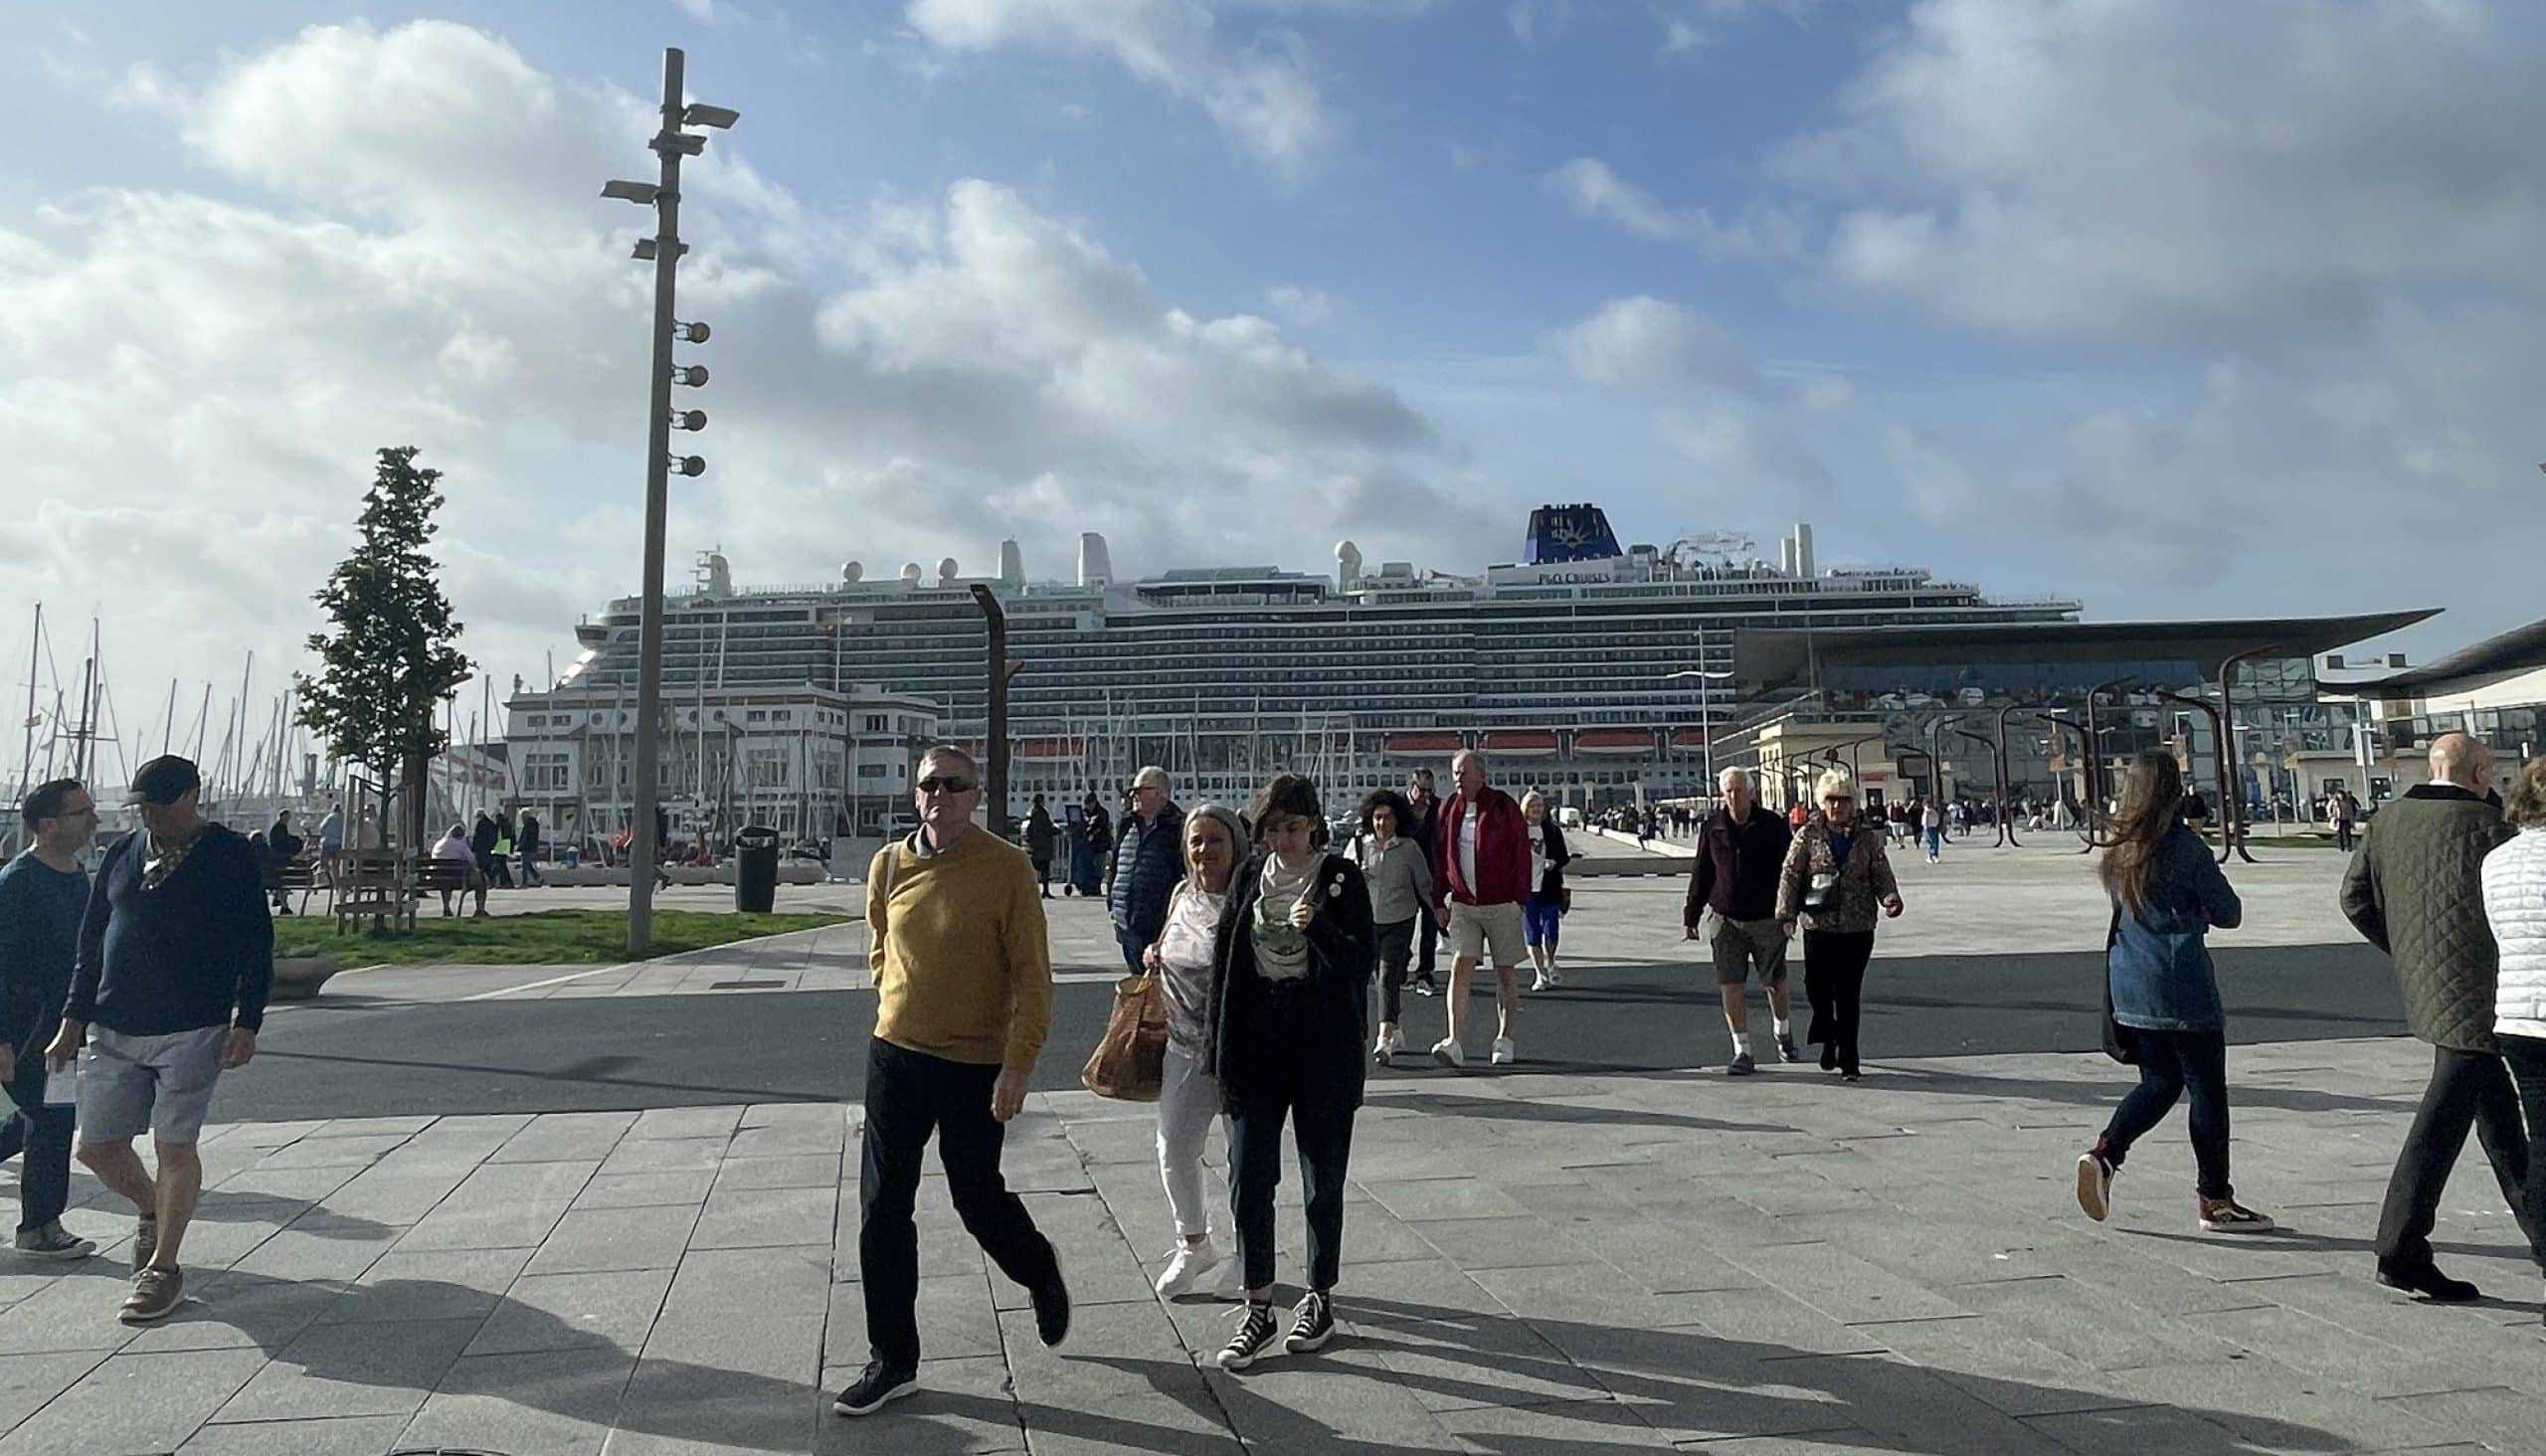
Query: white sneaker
x=1450, y=1053
x=1187, y=1265
x=1503, y=1052
x=1541, y=983
x=1384, y=1049
x=1554, y=977
x=1231, y=1287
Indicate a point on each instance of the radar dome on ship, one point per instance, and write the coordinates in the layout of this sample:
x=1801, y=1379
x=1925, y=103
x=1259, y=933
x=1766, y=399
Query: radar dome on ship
x=946, y=569
x=853, y=571
x=910, y=571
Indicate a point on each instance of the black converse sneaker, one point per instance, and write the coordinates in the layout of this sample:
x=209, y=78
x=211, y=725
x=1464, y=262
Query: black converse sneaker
x=1254, y=1336
x=1313, y=1325
x=878, y=1383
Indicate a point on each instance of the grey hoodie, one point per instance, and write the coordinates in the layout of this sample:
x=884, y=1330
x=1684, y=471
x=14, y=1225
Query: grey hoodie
x=1400, y=878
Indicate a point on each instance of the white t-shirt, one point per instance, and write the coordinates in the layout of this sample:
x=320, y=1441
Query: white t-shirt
x=1468, y=821
x=1537, y=856
x=1184, y=949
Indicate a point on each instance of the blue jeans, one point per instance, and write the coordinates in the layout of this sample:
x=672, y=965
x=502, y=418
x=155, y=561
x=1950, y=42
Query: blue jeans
x=42, y=1134
x=1935, y=841
x=1538, y=915
x=2170, y=1064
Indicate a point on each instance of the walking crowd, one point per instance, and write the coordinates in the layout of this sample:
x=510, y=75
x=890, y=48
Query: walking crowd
x=1267, y=946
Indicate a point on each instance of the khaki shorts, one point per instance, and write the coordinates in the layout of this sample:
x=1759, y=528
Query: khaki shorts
x=1741, y=945
x=1475, y=928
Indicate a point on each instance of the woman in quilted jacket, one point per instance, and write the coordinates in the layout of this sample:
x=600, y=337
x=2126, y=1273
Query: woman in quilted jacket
x=1837, y=874
x=2515, y=907
x=2167, y=894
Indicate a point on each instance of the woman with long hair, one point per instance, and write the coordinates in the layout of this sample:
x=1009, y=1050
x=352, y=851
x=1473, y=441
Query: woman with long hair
x=1188, y=1096
x=1544, y=906
x=1288, y=988
x=2167, y=894
x=1837, y=875
x=1398, y=873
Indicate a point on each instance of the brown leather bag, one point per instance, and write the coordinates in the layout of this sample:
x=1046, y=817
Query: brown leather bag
x=1130, y=1060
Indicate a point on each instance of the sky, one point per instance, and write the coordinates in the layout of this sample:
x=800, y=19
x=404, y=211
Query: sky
x=2173, y=306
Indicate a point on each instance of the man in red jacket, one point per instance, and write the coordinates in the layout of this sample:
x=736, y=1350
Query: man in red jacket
x=1481, y=871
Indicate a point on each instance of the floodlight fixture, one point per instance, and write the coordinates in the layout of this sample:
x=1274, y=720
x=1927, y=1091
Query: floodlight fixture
x=695, y=334
x=687, y=466
x=646, y=250
x=693, y=375
x=690, y=419
x=699, y=113
x=640, y=192
x=681, y=141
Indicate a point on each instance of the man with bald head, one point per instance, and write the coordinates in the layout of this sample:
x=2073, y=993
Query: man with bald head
x=2415, y=889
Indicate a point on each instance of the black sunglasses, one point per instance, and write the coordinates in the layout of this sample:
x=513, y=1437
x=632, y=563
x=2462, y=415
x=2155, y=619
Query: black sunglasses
x=940, y=784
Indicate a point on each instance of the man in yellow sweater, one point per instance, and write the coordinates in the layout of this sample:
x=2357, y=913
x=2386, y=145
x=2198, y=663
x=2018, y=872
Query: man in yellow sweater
x=963, y=999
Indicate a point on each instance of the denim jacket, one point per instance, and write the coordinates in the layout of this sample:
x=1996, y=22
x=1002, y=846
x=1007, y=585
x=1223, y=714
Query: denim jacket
x=2158, y=962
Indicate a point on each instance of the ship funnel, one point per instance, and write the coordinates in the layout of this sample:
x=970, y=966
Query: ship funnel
x=1095, y=563
x=720, y=576
x=1347, y=566
x=1802, y=550
x=1012, y=564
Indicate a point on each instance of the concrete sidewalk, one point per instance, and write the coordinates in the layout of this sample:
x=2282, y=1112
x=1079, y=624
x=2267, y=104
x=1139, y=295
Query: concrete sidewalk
x=1533, y=1263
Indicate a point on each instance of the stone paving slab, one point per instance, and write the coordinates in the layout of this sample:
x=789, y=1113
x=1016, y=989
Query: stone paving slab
x=1560, y=1264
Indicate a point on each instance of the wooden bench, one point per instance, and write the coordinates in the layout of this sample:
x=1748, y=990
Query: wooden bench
x=435, y=875
x=371, y=882
x=302, y=875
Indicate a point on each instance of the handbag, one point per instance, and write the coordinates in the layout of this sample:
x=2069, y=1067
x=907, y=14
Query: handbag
x=2118, y=1042
x=1130, y=1059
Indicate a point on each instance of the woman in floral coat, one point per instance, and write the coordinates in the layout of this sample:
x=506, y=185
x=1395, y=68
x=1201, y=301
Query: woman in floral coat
x=1836, y=877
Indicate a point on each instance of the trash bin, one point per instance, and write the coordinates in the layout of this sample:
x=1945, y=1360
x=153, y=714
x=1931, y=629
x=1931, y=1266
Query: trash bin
x=756, y=869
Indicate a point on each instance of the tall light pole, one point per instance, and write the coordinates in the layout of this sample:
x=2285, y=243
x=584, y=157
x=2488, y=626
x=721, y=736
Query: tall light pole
x=1706, y=718
x=665, y=250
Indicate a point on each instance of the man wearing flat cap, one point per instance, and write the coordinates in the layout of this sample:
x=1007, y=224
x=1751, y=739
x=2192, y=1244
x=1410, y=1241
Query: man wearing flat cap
x=176, y=953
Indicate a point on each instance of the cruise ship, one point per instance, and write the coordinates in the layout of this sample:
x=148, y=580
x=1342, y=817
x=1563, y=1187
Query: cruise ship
x=1591, y=670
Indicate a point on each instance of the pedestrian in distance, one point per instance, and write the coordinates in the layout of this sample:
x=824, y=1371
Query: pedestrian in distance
x=1288, y=993
x=455, y=848
x=1398, y=873
x=1423, y=811
x=1837, y=874
x=1146, y=862
x=2415, y=889
x=2346, y=812
x=1733, y=907
x=482, y=846
x=176, y=955
x=963, y=973
x=1931, y=821
x=1042, y=837
x=1480, y=876
x=1189, y=1098
x=2515, y=880
x=2167, y=895
x=1542, y=912
x=44, y=893
x=529, y=843
x=283, y=847
x=1096, y=842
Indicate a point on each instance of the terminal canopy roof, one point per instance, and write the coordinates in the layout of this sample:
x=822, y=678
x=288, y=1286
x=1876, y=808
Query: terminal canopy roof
x=1767, y=660
x=2520, y=650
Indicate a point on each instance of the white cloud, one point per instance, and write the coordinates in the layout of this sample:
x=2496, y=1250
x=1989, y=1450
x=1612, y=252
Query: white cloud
x=1263, y=94
x=1301, y=307
x=1647, y=342
x=1593, y=189
x=1711, y=404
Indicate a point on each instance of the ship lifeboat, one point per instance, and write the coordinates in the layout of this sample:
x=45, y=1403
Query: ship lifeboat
x=1690, y=739
x=1521, y=743
x=1425, y=745
x=1051, y=750
x=1617, y=742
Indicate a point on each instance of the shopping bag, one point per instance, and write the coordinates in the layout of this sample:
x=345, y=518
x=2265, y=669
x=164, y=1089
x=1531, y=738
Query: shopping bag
x=1130, y=1059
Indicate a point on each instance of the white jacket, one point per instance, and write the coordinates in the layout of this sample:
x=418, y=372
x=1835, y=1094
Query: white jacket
x=2515, y=906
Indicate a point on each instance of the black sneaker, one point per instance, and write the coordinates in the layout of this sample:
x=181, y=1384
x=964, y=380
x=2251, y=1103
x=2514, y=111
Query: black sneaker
x=878, y=1383
x=1787, y=1051
x=1313, y=1325
x=1052, y=1306
x=2427, y=1282
x=1254, y=1336
x=1741, y=1067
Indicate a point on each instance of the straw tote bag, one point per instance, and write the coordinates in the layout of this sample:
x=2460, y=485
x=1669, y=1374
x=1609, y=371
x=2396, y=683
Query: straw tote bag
x=1130, y=1060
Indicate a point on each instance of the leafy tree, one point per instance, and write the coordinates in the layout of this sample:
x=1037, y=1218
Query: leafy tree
x=389, y=664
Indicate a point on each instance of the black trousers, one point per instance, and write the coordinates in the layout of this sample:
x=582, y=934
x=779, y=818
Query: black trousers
x=2526, y=1058
x=42, y=1134
x=909, y=1094
x=2170, y=1064
x=1427, y=934
x=1834, y=981
x=1396, y=946
x=1324, y=1134
x=2468, y=1089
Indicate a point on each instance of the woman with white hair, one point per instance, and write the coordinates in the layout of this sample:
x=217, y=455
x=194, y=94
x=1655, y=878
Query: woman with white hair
x=1837, y=872
x=1189, y=1095
x=1544, y=906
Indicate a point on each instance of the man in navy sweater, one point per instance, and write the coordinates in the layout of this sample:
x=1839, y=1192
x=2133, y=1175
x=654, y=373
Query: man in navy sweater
x=176, y=954
x=42, y=894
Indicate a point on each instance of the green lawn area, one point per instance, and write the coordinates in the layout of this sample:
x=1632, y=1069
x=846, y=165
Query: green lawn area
x=545, y=938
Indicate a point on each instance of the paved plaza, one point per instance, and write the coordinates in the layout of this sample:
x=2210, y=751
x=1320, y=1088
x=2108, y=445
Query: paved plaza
x=1541, y=1260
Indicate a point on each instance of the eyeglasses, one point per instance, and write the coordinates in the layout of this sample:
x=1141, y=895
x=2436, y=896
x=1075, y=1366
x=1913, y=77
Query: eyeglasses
x=938, y=784
x=1836, y=799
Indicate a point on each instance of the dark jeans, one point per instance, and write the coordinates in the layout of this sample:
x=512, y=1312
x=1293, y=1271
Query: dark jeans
x=2170, y=1062
x=44, y=1135
x=2467, y=1089
x=2342, y=834
x=1834, y=981
x=908, y=1095
x=1396, y=944
x=1133, y=947
x=1324, y=1134
x=1427, y=934
x=2526, y=1057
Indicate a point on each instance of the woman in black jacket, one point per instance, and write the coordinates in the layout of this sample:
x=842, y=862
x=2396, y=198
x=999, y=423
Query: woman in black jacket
x=1547, y=903
x=1289, y=971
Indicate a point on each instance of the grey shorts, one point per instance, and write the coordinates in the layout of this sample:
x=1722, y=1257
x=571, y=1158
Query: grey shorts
x=162, y=1085
x=1741, y=945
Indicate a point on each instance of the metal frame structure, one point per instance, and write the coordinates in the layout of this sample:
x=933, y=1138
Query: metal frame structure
x=2085, y=818
x=2232, y=807
x=2222, y=773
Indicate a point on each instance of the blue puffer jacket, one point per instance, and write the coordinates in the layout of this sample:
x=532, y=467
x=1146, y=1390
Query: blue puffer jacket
x=2158, y=962
x=1137, y=889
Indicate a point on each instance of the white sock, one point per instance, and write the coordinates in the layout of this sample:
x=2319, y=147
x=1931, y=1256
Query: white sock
x=1741, y=1043
x=1785, y=1027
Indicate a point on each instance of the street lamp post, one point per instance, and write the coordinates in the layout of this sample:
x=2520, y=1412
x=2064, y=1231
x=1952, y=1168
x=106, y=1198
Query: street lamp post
x=665, y=250
x=1705, y=717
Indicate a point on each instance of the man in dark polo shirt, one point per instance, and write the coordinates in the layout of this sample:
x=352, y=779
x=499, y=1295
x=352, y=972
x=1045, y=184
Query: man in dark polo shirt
x=176, y=954
x=1732, y=906
x=42, y=894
